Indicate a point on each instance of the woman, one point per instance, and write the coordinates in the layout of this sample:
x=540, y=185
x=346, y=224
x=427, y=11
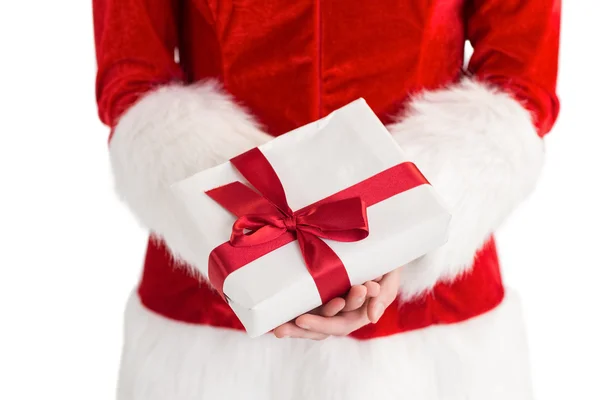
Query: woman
x=188, y=84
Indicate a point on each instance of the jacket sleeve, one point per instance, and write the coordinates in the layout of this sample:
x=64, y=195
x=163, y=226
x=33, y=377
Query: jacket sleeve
x=162, y=129
x=479, y=141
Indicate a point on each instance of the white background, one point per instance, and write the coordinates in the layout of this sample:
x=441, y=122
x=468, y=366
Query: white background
x=70, y=253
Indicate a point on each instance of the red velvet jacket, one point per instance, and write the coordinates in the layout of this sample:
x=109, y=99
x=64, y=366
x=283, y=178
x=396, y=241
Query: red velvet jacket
x=292, y=62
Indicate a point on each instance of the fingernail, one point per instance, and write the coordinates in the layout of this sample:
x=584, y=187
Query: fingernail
x=361, y=300
x=304, y=326
x=378, y=311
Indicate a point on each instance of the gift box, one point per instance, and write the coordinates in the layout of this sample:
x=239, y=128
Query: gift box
x=297, y=221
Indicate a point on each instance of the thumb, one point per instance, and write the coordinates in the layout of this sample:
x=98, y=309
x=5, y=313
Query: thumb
x=389, y=286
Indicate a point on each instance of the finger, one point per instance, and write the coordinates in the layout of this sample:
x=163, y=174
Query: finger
x=389, y=286
x=332, y=307
x=282, y=331
x=291, y=330
x=372, y=288
x=355, y=297
x=340, y=325
x=332, y=304
x=378, y=279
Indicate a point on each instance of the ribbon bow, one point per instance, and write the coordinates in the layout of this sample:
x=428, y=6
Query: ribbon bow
x=342, y=220
x=264, y=218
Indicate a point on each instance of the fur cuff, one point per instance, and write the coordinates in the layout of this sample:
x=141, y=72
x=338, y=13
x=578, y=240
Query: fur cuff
x=168, y=135
x=480, y=150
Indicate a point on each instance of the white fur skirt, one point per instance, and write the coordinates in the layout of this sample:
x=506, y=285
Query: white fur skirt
x=485, y=358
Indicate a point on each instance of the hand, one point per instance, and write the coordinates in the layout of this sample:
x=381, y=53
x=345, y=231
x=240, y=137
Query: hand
x=364, y=304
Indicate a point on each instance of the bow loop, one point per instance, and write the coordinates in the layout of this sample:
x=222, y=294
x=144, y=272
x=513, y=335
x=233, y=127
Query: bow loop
x=341, y=220
x=255, y=229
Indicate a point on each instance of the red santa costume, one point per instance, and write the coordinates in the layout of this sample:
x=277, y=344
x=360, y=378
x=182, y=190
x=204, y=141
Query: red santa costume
x=188, y=84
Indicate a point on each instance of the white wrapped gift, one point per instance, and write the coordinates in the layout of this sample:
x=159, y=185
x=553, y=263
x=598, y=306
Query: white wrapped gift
x=318, y=160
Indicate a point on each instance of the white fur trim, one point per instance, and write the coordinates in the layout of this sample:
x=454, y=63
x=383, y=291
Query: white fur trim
x=480, y=150
x=483, y=358
x=168, y=135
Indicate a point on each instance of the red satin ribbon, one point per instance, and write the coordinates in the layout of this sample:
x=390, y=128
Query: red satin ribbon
x=266, y=222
